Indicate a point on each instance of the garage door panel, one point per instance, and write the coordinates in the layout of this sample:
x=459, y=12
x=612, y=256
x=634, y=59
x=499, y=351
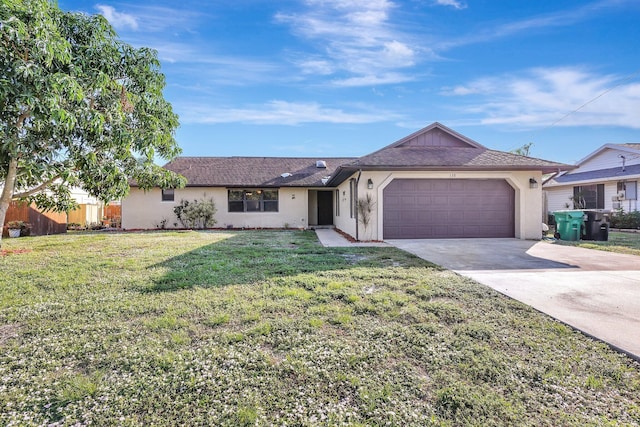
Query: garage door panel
x=448, y=208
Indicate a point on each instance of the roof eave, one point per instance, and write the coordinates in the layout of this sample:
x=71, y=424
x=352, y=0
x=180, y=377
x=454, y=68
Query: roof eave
x=555, y=184
x=344, y=172
x=619, y=147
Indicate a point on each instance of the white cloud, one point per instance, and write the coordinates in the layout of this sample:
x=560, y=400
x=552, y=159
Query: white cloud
x=118, y=19
x=561, y=18
x=152, y=19
x=373, y=80
x=355, y=39
x=543, y=96
x=316, y=66
x=453, y=3
x=278, y=112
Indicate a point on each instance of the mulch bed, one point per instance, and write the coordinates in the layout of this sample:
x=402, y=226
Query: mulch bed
x=7, y=252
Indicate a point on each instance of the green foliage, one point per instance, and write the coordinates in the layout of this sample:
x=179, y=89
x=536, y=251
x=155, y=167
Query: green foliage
x=622, y=219
x=196, y=214
x=525, y=150
x=78, y=107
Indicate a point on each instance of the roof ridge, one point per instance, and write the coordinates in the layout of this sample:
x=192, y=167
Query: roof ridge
x=267, y=157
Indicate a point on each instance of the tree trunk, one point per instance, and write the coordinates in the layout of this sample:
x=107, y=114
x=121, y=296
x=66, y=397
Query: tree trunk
x=7, y=192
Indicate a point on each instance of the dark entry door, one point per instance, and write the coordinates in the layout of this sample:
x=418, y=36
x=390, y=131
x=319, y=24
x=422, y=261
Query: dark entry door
x=325, y=207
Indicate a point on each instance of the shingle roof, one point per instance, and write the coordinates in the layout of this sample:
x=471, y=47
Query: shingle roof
x=453, y=157
x=435, y=147
x=444, y=158
x=601, y=174
x=253, y=171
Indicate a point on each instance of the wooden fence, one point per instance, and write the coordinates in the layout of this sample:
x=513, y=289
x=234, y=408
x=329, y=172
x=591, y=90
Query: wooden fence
x=85, y=215
x=113, y=214
x=42, y=223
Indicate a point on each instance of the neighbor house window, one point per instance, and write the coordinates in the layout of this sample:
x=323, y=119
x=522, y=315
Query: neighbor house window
x=337, y=202
x=253, y=200
x=588, y=196
x=352, y=197
x=630, y=189
x=168, y=195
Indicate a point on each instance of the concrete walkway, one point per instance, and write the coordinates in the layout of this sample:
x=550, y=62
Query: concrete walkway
x=330, y=238
x=594, y=291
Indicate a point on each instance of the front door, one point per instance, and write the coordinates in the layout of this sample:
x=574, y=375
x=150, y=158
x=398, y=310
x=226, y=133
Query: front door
x=325, y=207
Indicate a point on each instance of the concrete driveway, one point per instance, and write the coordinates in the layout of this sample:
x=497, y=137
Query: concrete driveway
x=594, y=291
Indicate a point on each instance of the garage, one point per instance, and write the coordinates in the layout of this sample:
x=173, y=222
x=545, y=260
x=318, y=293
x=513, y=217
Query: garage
x=448, y=208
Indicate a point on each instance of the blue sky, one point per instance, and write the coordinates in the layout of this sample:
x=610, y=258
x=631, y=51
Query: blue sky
x=330, y=78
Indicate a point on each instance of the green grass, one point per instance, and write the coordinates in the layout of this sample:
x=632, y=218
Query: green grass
x=269, y=328
x=619, y=242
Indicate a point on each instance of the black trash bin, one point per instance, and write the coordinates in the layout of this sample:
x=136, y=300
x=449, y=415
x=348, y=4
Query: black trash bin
x=596, y=226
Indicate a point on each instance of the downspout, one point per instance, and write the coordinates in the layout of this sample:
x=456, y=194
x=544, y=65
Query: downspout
x=356, y=203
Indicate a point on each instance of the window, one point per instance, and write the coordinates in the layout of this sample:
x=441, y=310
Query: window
x=630, y=189
x=253, y=200
x=588, y=197
x=352, y=197
x=337, y=202
x=168, y=194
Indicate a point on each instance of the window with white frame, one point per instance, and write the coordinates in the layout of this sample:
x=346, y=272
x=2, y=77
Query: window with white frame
x=630, y=189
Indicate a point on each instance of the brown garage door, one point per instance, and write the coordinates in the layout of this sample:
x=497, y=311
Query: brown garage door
x=448, y=208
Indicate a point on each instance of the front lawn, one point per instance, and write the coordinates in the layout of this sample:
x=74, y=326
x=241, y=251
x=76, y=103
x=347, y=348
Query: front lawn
x=269, y=328
x=619, y=242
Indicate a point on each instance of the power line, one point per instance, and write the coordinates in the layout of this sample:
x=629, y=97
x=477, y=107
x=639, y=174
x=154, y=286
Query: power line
x=626, y=79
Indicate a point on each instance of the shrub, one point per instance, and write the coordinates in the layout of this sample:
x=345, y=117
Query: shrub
x=365, y=206
x=25, y=227
x=623, y=219
x=196, y=214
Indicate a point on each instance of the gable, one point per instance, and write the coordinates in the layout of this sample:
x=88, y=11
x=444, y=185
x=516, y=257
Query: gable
x=610, y=156
x=435, y=137
x=438, y=136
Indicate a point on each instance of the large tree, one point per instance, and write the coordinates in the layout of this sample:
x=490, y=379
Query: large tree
x=78, y=107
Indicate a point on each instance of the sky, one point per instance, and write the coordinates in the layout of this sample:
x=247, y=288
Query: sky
x=336, y=78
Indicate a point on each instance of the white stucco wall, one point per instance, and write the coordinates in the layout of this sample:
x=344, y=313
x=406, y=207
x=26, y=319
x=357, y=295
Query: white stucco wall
x=344, y=221
x=528, y=201
x=146, y=210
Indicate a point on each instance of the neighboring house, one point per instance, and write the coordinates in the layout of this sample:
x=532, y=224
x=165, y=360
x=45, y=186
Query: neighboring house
x=606, y=179
x=434, y=183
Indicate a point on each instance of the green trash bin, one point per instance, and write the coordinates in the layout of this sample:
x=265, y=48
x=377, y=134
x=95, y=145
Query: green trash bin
x=569, y=224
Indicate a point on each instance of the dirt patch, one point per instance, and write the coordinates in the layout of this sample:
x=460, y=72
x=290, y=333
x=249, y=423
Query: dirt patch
x=354, y=258
x=7, y=252
x=7, y=332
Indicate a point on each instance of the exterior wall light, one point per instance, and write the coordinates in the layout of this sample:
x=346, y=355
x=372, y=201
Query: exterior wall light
x=533, y=183
x=370, y=184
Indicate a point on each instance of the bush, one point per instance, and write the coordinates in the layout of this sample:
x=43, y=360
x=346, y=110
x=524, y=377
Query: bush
x=25, y=227
x=196, y=214
x=623, y=219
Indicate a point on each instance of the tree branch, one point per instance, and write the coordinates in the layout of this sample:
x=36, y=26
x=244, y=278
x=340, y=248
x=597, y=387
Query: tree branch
x=22, y=117
x=36, y=189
